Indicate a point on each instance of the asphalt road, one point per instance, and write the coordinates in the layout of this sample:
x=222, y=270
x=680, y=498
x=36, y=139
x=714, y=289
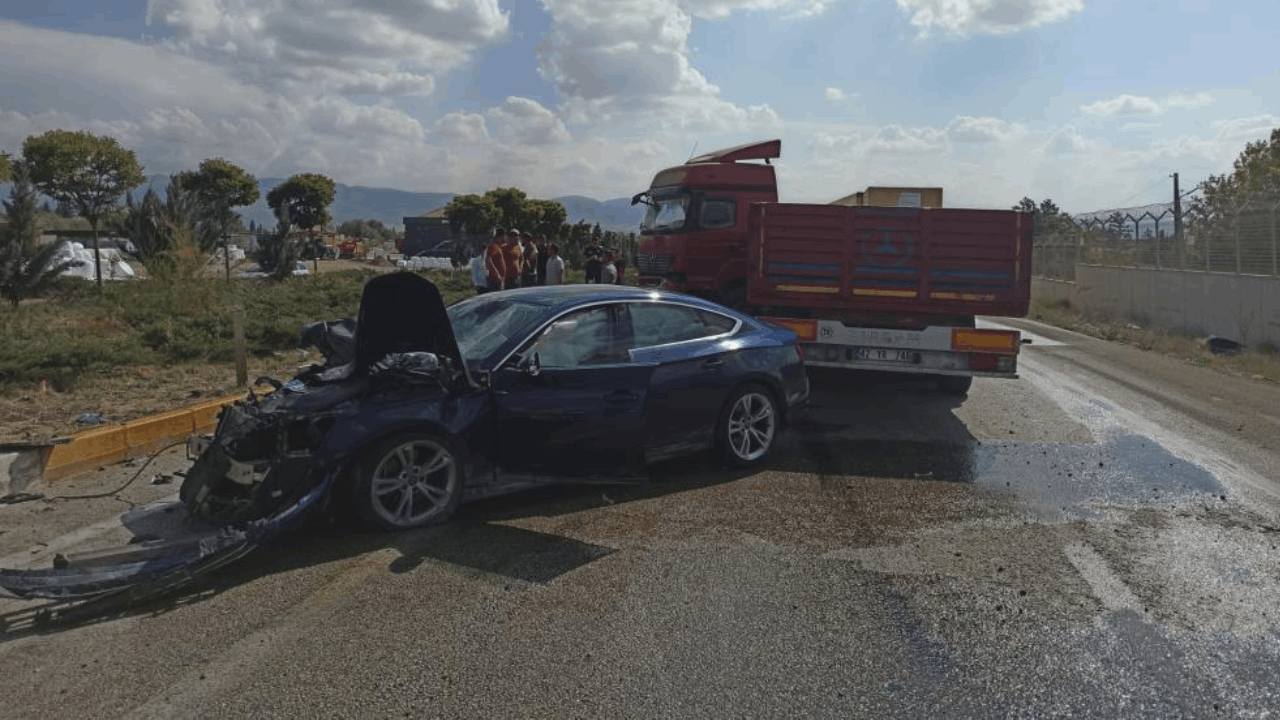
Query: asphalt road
x=1097, y=538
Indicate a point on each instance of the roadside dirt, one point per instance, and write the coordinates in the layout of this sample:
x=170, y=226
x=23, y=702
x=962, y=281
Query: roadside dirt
x=38, y=413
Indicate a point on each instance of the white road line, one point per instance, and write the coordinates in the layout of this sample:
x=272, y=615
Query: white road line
x=1106, y=585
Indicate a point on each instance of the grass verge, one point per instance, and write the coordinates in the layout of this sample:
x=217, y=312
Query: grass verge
x=1257, y=363
x=79, y=330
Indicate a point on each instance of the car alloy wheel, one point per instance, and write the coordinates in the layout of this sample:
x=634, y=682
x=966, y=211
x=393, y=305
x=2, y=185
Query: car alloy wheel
x=409, y=482
x=749, y=426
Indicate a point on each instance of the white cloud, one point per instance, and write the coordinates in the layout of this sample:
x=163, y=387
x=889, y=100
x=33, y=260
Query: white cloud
x=967, y=129
x=625, y=63
x=897, y=140
x=987, y=17
x=1241, y=127
x=1123, y=105
x=525, y=121
x=341, y=46
x=1190, y=102
x=722, y=9
x=1136, y=105
x=461, y=127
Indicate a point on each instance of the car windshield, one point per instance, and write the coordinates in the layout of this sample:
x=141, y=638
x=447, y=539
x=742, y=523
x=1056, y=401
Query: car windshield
x=665, y=214
x=482, y=325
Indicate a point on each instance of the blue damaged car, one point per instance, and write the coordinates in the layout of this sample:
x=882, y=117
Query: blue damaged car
x=420, y=407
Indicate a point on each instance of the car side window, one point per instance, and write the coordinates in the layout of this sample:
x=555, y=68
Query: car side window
x=584, y=338
x=718, y=214
x=662, y=324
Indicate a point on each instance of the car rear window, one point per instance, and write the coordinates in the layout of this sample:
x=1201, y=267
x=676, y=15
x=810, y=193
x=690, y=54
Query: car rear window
x=663, y=324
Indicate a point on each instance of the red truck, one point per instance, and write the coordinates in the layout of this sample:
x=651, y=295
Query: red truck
x=865, y=287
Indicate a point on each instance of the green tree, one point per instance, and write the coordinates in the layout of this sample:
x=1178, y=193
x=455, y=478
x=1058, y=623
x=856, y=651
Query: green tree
x=471, y=214
x=6, y=167
x=511, y=206
x=304, y=199
x=549, y=214
x=1116, y=227
x=143, y=224
x=219, y=186
x=1252, y=188
x=25, y=267
x=373, y=230
x=278, y=250
x=81, y=170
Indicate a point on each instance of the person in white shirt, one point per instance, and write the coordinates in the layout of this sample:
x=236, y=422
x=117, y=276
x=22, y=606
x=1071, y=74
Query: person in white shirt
x=555, y=266
x=479, y=274
x=608, y=271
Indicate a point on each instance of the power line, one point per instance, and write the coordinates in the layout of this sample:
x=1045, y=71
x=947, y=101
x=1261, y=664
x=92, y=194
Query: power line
x=1143, y=191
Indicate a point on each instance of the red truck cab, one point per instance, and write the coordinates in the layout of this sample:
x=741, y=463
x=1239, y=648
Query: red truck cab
x=694, y=233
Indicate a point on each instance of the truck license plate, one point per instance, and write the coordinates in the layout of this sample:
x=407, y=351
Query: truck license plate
x=865, y=353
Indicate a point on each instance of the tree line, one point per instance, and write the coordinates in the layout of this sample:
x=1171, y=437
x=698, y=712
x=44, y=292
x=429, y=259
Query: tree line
x=478, y=215
x=89, y=175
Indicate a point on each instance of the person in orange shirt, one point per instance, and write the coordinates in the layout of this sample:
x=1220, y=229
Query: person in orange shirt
x=495, y=261
x=513, y=255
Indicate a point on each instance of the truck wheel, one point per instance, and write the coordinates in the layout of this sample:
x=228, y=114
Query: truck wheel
x=748, y=426
x=954, y=384
x=408, y=481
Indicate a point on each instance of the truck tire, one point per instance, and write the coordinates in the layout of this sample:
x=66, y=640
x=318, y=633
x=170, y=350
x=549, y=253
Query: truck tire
x=955, y=384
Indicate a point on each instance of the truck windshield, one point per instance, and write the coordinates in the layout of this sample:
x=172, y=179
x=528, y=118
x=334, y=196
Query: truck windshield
x=665, y=214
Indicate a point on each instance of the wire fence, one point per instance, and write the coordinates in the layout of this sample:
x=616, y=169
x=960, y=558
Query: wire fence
x=1242, y=239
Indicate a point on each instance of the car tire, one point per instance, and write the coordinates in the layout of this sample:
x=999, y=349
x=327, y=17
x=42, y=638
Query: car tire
x=408, y=481
x=748, y=427
x=955, y=384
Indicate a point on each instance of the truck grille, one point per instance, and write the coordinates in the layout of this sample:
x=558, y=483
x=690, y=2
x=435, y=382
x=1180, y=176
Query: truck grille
x=654, y=264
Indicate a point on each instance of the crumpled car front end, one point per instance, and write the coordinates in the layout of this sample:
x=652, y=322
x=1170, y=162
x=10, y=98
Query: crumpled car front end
x=274, y=460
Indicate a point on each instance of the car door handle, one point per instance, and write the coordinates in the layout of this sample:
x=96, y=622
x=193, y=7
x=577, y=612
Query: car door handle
x=713, y=364
x=621, y=396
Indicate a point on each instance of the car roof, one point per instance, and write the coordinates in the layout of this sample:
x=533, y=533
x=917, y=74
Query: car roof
x=582, y=294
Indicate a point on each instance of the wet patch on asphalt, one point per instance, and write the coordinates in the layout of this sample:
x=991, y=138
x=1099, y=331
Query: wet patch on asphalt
x=1053, y=482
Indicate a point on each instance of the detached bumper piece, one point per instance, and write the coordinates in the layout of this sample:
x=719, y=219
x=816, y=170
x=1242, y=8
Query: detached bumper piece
x=103, y=580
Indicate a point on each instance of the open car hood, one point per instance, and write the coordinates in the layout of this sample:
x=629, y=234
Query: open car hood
x=402, y=312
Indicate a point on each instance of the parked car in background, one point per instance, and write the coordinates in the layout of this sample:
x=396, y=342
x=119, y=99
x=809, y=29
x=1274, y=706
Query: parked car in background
x=425, y=407
x=300, y=267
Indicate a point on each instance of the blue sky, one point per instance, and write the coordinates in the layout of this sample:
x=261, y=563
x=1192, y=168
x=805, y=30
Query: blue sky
x=1090, y=102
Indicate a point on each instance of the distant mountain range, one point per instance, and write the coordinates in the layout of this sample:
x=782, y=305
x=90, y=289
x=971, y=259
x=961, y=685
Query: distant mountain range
x=358, y=202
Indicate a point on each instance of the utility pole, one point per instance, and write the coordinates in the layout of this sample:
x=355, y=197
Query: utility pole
x=1177, y=224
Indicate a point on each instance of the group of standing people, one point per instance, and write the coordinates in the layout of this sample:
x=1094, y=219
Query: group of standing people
x=516, y=259
x=520, y=259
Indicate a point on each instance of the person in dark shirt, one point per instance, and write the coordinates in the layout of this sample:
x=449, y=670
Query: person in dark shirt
x=621, y=265
x=591, y=255
x=543, y=256
x=529, y=260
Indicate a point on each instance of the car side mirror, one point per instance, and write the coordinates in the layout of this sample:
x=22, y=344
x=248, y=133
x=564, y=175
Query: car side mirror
x=530, y=365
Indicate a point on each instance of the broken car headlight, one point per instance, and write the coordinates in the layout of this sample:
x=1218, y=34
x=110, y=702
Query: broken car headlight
x=304, y=434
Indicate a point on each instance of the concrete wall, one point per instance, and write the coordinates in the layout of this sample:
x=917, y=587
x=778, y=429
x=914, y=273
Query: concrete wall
x=1245, y=308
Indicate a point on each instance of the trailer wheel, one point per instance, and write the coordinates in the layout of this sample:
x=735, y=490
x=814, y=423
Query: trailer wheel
x=955, y=384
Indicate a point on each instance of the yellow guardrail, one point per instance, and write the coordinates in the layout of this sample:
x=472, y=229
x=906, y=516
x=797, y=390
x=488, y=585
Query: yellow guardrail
x=121, y=441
